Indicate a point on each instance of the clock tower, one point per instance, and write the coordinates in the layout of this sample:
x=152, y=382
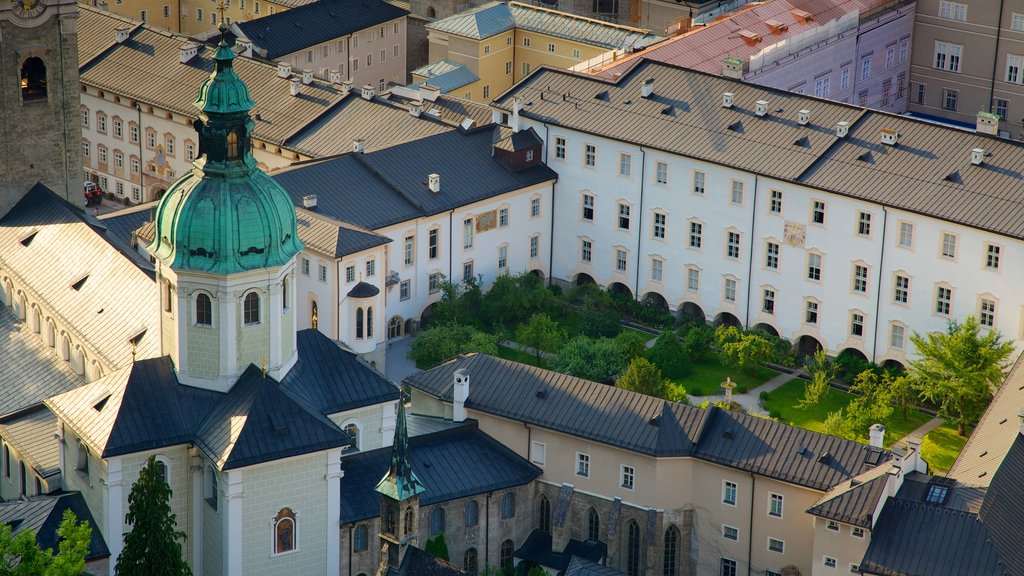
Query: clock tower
x=39, y=102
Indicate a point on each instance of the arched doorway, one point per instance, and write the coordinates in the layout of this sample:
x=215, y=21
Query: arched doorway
x=427, y=316
x=537, y=273
x=583, y=278
x=854, y=353
x=656, y=299
x=727, y=319
x=767, y=329
x=692, y=312
x=894, y=365
x=396, y=327
x=620, y=290
x=33, y=79
x=156, y=192
x=807, y=345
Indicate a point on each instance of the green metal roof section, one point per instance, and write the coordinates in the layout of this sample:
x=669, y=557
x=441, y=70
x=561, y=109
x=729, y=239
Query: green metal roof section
x=226, y=216
x=400, y=483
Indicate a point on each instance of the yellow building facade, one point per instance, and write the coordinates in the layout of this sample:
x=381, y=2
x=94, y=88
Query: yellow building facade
x=193, y=17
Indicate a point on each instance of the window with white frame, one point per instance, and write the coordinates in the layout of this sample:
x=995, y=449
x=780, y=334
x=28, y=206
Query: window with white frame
x=775, y=505
x=285, y=532
x=948, y=245
x=732, y=248
x=844, y=77
x=502, y=257
x=818, y=212
x=811, y=312
x=434, y=282
x=659, y=225
x=692, y=279
x=409, y=250
x=950, y=98
x=502, y=217
x=771, y=255
x=768, y=301
x=775, y=205
x=776, y=545
x=534, y=246
x=987, y=313
x=726, y=567
x=538, y=452
x=943, y=300
x=534, y=207
x=560, y=148
x=857, y=532
x=729, y=492
x=661, y=172
x=404, y=290
x=857, y=324
x=588, y=208
x=590, y=155
x=467, y=271
x=627, y=477
x=890, y=57
x=901, y=289
x=897, y=334
x=350, y=273
x=467, y=233
x=814, y=266
x=625, y=164
x=1013, y=66
x=729, y=290
x=582, y=464
x=586, y=250
x=860, y=278
x=906, y=238
x=830, y=562
x=1017, y=22
x=656, y=269
x=371, y=268
x=620, y=260
x=947, y=56
x=433, y=243
x=832, y=525
x=730, y=533
x=992, y=256
x=737, y=192
x=864, y=224
x=822, y=86
x=865, y=67
x=698, y=181
x=953, y=10
x=696, y=234
x=623, y=217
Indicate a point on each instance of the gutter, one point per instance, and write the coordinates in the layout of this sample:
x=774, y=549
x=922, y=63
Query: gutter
x=750, y=257
x=551, y=234
x=878, y=284
x=995, y=61
x=640, y=222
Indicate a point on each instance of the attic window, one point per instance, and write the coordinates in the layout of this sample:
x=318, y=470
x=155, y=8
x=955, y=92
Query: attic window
x=603, y=96
x=669, y=111
x=802, y=16
x=135, y=340
x=936, y=494
x=28, y=239
x=540, y=395
x=803, y=142
x=866, y=157
x=727, y=434
x=277, y=423
x=801, y=451
x=736, y=126
x=1003, y=421
x=749, y=37
x=81, y=282
x=655, y=421
x=874, y=457
x=776, y=26
x=954, y=177
x=99, y=405
x=824, y=458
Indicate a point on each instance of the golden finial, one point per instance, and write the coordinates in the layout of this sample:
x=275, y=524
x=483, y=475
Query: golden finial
x=263, y=366
x=133, y=352
x=314, y=320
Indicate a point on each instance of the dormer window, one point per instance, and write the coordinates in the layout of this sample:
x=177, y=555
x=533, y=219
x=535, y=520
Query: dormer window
x=232, y=145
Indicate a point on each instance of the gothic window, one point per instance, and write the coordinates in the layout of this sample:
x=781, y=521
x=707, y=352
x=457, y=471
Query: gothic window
x=593, y=525
x=232, y=145
x=471, y=514
x=361, y=539
x=633, y=549
x=369, y=322
x=469, y=561
x=353, y=432
x=33, y=79
x=390, y=520
x=359, y=323
x=508, y=505
x=507, y=549
x=410, y=520
x=285, y=531
x=545, y=514
x=161, y=469
x=437, y=521
x=671, y=552
x=251, y=308
x=204, y=310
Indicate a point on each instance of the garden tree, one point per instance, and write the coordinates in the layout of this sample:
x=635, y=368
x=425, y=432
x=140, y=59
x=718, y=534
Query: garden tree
x=902, y=392
x=669, y=355
x=872, y=404
x=444, y=342
x=597, y=322
x=537, y=571
x=20, y=554
x=821, y=371
x=631, y=344
x=699, y=340
x=593, y=359
x=459, y=303
x=437, y=547
x=744, y=350
x=644, y=377
x=514, y=298
x=152, y=547
x=958, y=370
x=541, y=333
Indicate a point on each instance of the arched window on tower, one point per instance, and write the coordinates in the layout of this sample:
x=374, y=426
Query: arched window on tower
x=410, y=521
x=251, y=308
x=353, y=432
x=593, y=525
x=285, y=531
x=545, y=514
x=232, y=145
x=359, y=323
x=33, y=79
x=369, y=322
x=204, y=310
x=284, y=293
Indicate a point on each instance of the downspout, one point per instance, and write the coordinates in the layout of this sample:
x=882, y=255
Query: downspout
x=487, y=530
x=640, y=222
x=350, y=549
x=999, y=30
x=878, y=288
x=750, y=529
x=551, y=235
x=451, y=243
x=750, y=261
x=63, y=114
x=142, y=168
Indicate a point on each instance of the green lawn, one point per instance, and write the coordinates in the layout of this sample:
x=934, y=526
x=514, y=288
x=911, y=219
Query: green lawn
x=707, y=378
x=519, y=356
x=783, y=401
x=941, y=447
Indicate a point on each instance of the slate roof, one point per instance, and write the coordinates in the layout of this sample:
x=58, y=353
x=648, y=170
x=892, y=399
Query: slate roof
x=929, y=172
x=289, y=31
x=445, y=74
x=538, y=548
x=506, y=139
x=334, y=238
x=96, y=35
x=31, y=435
x=497, y=17
x=143, y=407
x=42, y=515
x=854, y=501
x=1002, y=511
x=996, y=431
x=29, y=369
x=650, y=425
x=446, y=107
x=121, y=227
x=120, y=68
x=116, y=302
x=451, y=464
x=419, y=563
x=363, y=290
x=581, y=567
x=377, y=189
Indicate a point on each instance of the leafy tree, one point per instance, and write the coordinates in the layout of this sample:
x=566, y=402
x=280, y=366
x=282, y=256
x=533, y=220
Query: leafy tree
x=437, y=547
x=537, y=571
x=644, y=377
x=631, y=344
x=960, y=369
x=444, y=342
x=746, y=350
x=541, y=333
x=902, y=392
x=459, y=302
x=598, y=322
x=872, y=404
x=153, y=546
x=699, y=340
x=514, y=298
x=821, y=371
x=670, y=355
x=820, y=364
x=20, y=554
x=594, y=359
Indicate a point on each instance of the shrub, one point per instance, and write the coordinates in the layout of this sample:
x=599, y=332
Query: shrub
x=598, y=322
x=631, y=344
x=849, y=365
x=670, y=356
x=440, y=343
x=644, y=377
x=650, y=314
x=698, y=341
x=594, y=359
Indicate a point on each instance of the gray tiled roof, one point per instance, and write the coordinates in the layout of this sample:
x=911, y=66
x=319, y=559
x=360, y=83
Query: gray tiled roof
x=929, y=172
x=143, y=407
x=854, y=501
x=130, y=69
x=445, y=75
x=995, y=432
x=417, y=562
x=42, y=515
x=333, y=238
x=650, y=425
x=449, y=108
x=121, y=227
x=96, y=35
x=581, y=567
x=116, y=302
x=1003, y=509
x=506, y=139
x=497, y=17
x=376, y=189
x=289, y=31
x=32, y=435
x=454, y=463
x=29, y=369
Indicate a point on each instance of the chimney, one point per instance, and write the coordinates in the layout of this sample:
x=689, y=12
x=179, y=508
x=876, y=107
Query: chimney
x=359, y=146
x=295, y=86
x=978, y=156
x=877, y=435
x=988, y=123
x=367, y=92
x=761, y=107
x=187, y=52
x=346, y=87
x=727, y=99
x=842, y=127
x=647, y=88
x=732, y=68
x=415, y=109
x=460, y=394
x=309, y=201
x=889, y=136
x=434, y=182
x=105, y=6
x=513, y=121
x=912, y=459
x=335, y=77
x=430, y=92
x=803, y=117
x=284, y=69
x=121, y=33
x=307, y=77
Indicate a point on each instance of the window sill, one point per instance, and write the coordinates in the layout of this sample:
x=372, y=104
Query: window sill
x=288, y=553
x=212, y=503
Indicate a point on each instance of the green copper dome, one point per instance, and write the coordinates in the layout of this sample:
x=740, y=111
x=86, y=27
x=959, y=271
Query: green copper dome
x=225, y=216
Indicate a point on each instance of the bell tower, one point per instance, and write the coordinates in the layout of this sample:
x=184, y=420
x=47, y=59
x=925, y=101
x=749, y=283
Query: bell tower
x=399, y=491
x=225, y=247
x=39, y=104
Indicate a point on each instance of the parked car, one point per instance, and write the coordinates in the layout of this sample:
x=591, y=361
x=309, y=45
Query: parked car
x=93, y=193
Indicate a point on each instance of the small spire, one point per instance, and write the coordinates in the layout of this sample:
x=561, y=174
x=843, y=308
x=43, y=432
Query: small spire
x=400, y=483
